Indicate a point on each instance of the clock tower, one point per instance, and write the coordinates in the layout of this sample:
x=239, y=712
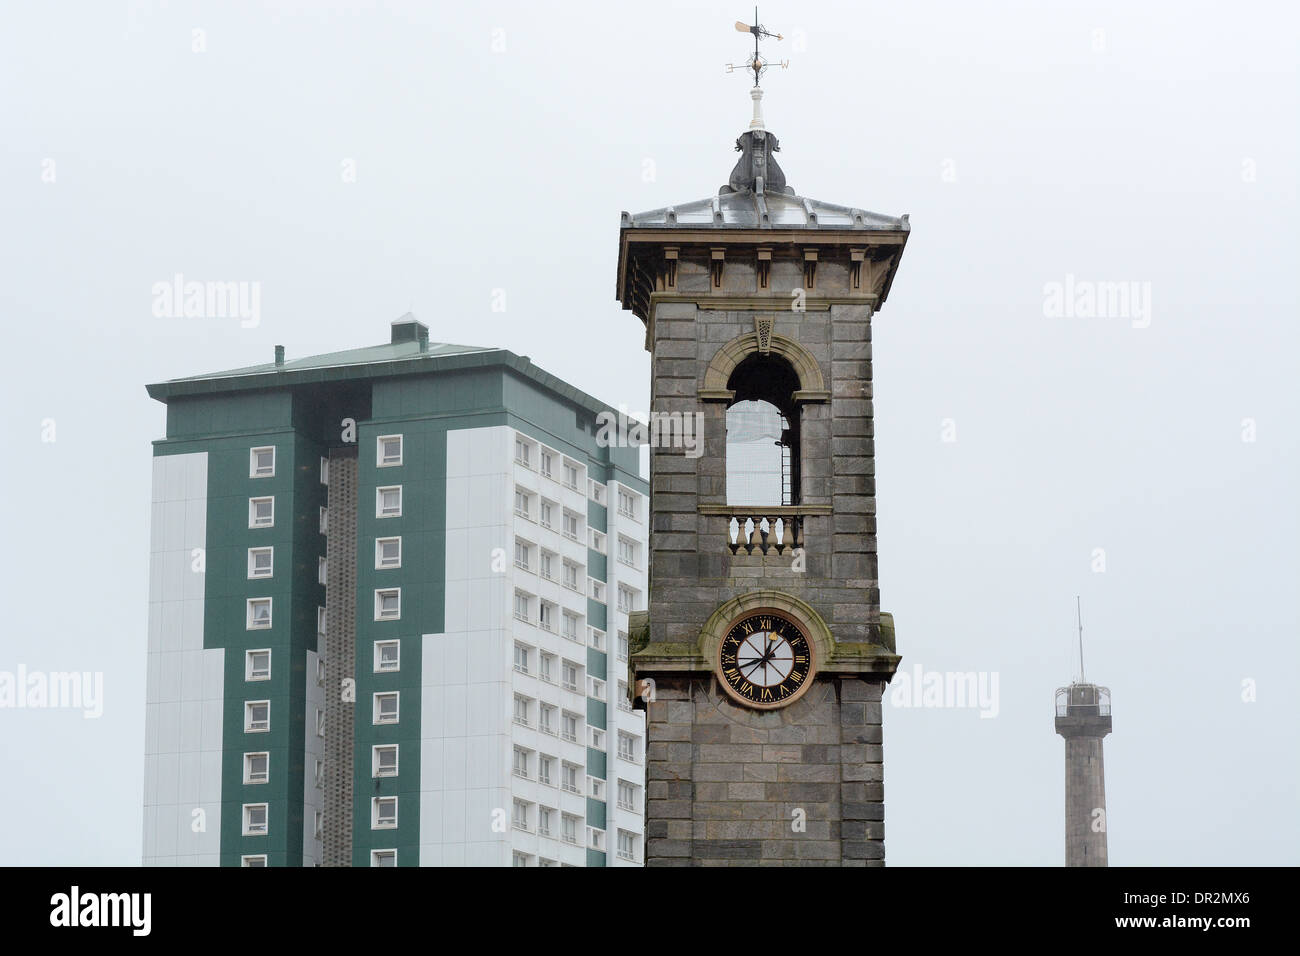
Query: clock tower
x=763, y=654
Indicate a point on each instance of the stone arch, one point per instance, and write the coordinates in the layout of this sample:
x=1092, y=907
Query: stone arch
x=812, y=387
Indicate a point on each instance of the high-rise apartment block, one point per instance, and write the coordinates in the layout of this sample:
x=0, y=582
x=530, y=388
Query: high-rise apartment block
x=389, y=597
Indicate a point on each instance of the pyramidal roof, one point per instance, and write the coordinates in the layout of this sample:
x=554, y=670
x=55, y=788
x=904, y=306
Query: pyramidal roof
x=752, y=210
x=756, y=196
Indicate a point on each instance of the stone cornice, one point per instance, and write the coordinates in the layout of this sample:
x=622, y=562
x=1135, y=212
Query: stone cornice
x=833, y=657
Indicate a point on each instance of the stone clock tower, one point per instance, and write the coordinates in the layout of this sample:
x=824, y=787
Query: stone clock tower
x=763, y=655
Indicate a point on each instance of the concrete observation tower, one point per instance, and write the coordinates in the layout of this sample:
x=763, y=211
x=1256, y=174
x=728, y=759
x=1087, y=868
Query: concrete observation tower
x=1083, y=719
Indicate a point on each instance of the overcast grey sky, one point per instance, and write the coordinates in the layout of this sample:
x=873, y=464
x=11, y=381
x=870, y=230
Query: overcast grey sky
x=494, y=146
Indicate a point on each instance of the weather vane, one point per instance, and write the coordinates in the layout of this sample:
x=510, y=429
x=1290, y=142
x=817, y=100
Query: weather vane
x=758, y=63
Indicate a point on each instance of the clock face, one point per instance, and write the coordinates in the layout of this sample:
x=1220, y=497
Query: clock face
x=765, y=660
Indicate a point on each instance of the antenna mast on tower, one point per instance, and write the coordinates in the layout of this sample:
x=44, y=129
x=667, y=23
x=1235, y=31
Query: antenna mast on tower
x=1078, y=606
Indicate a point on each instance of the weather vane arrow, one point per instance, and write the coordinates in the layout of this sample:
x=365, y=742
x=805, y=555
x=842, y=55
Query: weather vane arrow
x=757, y=62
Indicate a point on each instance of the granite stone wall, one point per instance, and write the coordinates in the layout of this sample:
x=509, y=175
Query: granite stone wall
x=803, y=785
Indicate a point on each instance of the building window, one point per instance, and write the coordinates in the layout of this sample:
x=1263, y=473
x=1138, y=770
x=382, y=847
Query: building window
x=545, y=767
x=318, y=828
x=546, y=719
x=623, y=645
x=388, y=502
x=627, y=599
x=320, y=672
x=518, y=859
x=626, y=845
x=569, y=828
x=324, y=471
x=261, y=562
x=385, y=708
x=255, y=819
x=259, y=614
x=388, y=553
x=598, y=742
x=322, y=570
x=626, y=796
x=546, y=565
x=520, y=815
x=597, y=541
x=522, y=708
x=627, y=504
x=627, y=746
x=546, y=615
x=624, y=701
x=383, y=813
x=320, y=722
x=597, y=492
x=596, y=638
x=383, y=858
x=569, y=723
x=569, y=778
x=257, y=767
x=320, y=774
x=544, y=817
x=548, y=462
x=521, y=762
x=388, y=450
x=570, y=675
x=596, y=838
x=524, y=504
x=569, y=572
x=596, y=688
x=261, y=512
x=324, y=521
x=257, y=664
x=383, y=761
x=388, y=656
x=521, y=655
x=522, y=553
x=627, y=551
x=261, y=462
x=253, y=859
x=320, y=622
x=546, y=667
x=547, y=517
x=523, y=452
x=570, y=525
x=571, y=476
x=388, y=604
x=569, y=626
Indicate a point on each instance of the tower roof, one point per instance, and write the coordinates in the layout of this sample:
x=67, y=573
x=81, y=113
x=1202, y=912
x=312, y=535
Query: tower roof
x=756, y=196
x=750, y=210
x=755, y=208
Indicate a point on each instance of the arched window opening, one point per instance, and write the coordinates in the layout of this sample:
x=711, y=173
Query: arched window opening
x=763, y=433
